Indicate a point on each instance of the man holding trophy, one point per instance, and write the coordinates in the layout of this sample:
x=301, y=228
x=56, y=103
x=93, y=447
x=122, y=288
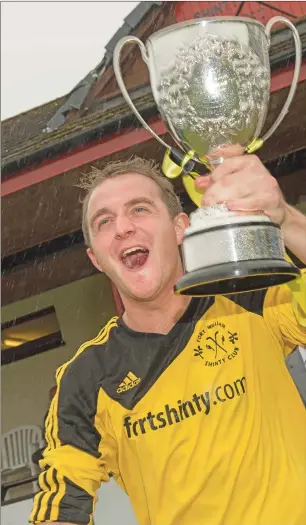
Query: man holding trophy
x=185, y=399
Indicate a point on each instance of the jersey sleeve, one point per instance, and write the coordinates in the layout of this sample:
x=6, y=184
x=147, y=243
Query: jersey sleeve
x=285, y=312
x=75, y=461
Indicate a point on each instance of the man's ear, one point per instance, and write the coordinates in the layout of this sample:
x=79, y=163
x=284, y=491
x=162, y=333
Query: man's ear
x=181, y=222
x=93, y=259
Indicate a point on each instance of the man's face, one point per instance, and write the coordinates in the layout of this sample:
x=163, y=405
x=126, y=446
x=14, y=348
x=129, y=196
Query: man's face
x=133, y=238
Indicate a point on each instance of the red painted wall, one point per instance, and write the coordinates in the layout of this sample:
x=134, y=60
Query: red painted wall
x=261, y=11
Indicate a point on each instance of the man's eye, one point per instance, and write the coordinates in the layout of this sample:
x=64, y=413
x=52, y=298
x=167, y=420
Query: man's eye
x=139, y=209
x=103, y=222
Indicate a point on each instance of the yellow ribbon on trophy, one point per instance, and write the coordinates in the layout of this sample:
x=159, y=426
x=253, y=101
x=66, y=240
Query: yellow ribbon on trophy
x=176, y=163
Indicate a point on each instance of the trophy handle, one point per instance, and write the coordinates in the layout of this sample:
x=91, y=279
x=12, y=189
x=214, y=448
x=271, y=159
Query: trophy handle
x=298, y=58
x=117, y=71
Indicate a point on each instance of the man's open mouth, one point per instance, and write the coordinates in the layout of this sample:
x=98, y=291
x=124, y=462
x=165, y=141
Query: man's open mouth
x=134, y=258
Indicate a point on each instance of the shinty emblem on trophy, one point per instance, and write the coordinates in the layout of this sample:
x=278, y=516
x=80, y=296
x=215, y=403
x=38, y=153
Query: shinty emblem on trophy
x=211, y=80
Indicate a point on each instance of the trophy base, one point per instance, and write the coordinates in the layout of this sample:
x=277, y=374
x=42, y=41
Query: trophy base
x=236, y=277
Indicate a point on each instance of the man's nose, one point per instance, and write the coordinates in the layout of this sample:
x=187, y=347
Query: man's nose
x=124, y=226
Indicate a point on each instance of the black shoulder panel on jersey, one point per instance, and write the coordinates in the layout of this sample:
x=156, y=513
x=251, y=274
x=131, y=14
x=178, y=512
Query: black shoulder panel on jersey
x=144, y=357
x=126, y=364
x=70, y=420
x=251, y=301
x=77, y=403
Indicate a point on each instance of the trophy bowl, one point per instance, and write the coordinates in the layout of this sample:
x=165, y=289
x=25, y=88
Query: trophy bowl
x=211, y=81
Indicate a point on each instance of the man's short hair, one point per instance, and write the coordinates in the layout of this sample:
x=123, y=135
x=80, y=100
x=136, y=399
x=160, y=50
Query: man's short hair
x=147, y=168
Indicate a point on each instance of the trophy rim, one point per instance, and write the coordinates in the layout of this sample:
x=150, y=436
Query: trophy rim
x=197, y=21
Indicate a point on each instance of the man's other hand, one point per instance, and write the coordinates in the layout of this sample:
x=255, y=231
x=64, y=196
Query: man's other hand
x=244, y=184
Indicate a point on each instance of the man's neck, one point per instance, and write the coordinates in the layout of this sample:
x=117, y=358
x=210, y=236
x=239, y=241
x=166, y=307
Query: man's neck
x=158, y=315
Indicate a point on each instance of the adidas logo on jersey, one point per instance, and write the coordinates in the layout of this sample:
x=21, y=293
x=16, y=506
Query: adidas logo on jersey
x=128, y=382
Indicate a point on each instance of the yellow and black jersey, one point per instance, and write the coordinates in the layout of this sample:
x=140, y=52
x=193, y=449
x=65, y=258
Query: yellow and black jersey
x=203, y=425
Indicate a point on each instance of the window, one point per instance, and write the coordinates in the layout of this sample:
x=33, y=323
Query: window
x=30, y=335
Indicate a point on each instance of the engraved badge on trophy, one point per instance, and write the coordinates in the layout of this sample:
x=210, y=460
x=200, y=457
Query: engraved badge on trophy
x=210, y=80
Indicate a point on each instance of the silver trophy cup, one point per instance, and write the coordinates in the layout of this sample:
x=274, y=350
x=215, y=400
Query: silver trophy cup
x=211, y=80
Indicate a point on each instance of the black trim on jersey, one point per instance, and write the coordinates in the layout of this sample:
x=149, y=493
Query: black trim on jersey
x=78, y=395
x=41, y=495
x=146, y=355
x=50, y=500
x=251, y=301
x=71, y=421
x=68, y=511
